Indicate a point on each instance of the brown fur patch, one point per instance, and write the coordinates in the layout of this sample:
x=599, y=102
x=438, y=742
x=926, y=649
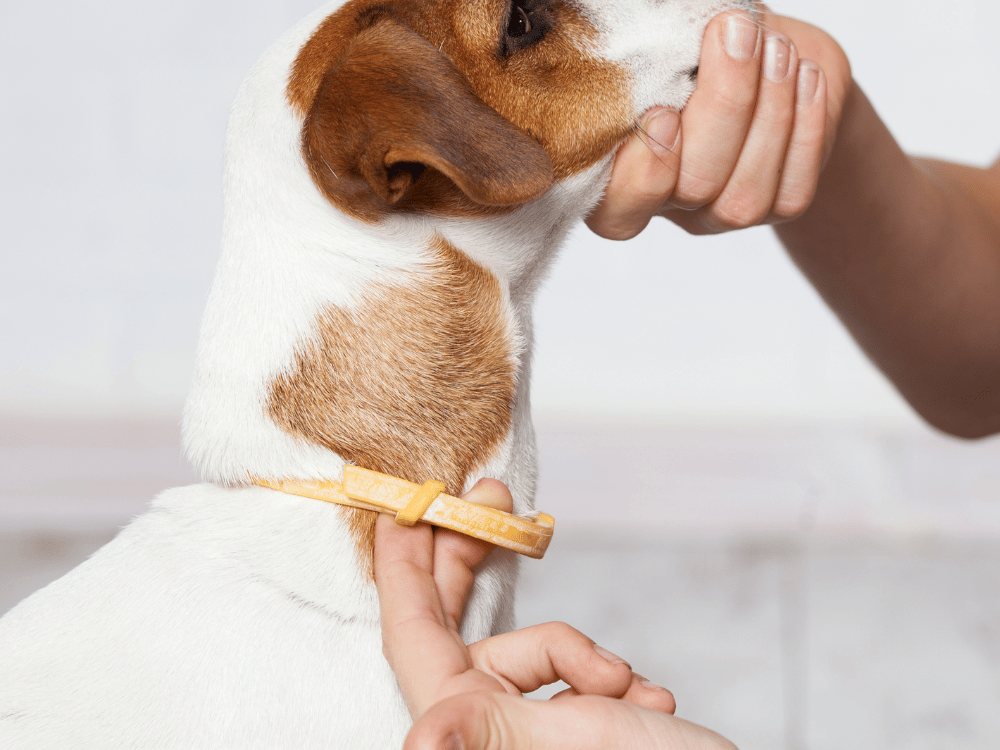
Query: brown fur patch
x=575, y=106
x=417, y=382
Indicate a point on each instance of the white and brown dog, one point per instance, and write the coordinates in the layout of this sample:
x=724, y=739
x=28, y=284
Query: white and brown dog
x=399, y=174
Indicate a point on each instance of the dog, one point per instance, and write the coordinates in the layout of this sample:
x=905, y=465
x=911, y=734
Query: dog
x=398, y=177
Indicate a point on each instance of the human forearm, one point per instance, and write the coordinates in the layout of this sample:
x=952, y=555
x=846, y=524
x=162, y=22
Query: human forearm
x=907, y=253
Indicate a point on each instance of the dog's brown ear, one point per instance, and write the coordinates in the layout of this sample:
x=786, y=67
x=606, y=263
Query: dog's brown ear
x=394, y=115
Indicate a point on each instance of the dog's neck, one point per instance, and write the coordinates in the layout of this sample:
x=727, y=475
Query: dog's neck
x=402, y=346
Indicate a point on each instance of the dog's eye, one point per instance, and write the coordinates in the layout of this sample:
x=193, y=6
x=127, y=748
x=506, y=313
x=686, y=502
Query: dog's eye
x=527, y=22
x=519, y=24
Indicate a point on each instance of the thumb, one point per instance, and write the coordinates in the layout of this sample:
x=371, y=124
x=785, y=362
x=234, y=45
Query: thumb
x=483, y=721
x=643, y=177
x=498, y=721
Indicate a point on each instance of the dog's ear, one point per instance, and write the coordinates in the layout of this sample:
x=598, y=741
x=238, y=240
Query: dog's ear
x=394, y=114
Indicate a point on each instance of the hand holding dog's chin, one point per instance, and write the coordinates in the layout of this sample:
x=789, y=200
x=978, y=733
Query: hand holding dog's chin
x=751, y=143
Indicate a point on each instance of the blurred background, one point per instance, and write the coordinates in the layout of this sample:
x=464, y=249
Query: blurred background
x=747, y=511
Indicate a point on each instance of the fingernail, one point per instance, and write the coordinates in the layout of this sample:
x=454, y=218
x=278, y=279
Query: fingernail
x=609, y=656
x=741, y=37
x=777, y=56
x=808, y=83
x=651, y=685
x=662, y=129
x=453, y=742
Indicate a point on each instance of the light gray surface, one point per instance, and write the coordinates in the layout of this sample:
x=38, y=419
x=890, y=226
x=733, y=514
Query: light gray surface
x=815, y=589
x=794, y=642
x=837, y=479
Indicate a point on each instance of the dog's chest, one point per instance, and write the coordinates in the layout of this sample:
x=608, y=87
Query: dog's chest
x=216, y=620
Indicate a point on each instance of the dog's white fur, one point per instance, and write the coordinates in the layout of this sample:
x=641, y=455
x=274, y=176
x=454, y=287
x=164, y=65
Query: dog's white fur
x=237, y=616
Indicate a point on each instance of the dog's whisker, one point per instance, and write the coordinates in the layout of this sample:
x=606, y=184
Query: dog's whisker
x=642, y=130
x=637, y=128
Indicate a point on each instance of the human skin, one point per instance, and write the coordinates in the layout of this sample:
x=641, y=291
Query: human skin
x=470, y=698
x=906, y=251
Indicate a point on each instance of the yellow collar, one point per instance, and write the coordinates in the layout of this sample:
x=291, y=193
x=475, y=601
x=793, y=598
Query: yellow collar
x=428, y=503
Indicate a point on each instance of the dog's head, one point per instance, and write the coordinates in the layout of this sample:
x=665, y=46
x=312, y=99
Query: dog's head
x=470, y=107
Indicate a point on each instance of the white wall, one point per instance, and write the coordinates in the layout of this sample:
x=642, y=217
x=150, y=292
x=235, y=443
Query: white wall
x=111, y=132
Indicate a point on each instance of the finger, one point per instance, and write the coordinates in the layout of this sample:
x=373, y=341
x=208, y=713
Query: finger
x=422, y=652
x=403, y=561
x=494, y=721
x=750, y=193
x=816, y=45
x=648, y=694
x=539, y=655
x=643, y=177
x=641, y=692
x=457, y=555
x=394, y=542
x=804, y=159
x=717, y=117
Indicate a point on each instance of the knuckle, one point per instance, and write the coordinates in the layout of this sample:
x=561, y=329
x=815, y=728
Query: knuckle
x=732, y=98
x=561, y=630
x=739, y=213
x=623, y=234
x=618, y=230
x=792, y=203
x=695, y=192
x=625, y=220
x=782, y=118
x=651, y=194
x=784, y=212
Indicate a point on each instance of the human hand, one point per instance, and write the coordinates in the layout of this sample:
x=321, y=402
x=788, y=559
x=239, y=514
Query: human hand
x=424, y=576
x=494, y=721
x=472, y=695
x=749, y=146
